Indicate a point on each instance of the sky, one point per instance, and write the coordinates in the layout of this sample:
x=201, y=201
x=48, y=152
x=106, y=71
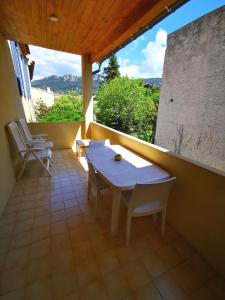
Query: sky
x=143, y=58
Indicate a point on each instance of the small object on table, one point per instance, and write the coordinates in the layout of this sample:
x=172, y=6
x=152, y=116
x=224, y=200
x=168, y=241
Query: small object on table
x=117, y=157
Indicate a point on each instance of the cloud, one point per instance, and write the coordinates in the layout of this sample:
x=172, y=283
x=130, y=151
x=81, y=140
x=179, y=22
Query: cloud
x=52, y=62
x=153, y=58
x=154, y=54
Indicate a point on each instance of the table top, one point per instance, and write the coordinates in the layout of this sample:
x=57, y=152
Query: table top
x=124, y=174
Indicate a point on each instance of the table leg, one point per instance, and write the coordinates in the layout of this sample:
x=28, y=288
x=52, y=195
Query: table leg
x=115, y=211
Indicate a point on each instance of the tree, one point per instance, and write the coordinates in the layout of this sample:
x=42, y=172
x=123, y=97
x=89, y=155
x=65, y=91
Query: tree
x=112, y=71
x=126, y=105
x=65, y=108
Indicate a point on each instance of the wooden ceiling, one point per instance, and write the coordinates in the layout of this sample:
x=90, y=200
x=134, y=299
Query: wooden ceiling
x=95, y=27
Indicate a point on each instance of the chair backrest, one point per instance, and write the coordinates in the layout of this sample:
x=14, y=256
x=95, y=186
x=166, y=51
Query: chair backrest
x=25, y=130
x=156, y=191
x=98, y=143
x=93, y=175
x=15, y=133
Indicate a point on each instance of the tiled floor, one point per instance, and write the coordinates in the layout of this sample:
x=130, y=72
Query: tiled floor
x=52, y=248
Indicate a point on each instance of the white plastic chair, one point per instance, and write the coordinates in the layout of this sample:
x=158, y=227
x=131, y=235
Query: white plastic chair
x=29, y=153
x=38, y=140
x=97, y=143
x=147, y=199
x=95, y=185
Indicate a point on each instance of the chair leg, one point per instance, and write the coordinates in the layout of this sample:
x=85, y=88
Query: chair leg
x=42, y=164
x=89, y=190
x=129, y=217
x=96, y=204
x=163, y=222
x=22, y=169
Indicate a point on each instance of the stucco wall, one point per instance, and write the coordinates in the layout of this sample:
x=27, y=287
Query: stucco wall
x=10, y=109
x=196, y=205
x=63, y=134
x=193, y=124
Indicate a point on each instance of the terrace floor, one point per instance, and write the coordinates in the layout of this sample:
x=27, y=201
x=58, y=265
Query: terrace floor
x=52, y=248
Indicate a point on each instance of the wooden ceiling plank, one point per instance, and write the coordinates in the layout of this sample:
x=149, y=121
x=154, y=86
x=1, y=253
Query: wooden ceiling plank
x=103, y=18
x=124, y=7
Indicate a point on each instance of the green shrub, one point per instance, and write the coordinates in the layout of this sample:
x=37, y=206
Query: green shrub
x=65, y=108
x=126, y=105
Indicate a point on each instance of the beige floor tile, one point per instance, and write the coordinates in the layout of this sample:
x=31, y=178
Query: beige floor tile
x=169, y=256
x=63, y=261
x=25, y=215
x=204, y=293
x=9, y=219
x=186, y=278
x=38, y=290
x=154, y=263
x=42, y=220
x=16, y=258
x=107, y=262
x=63, y=284
x=60, y=241
x=87, y=271
x=217, y=286
x=125, y=254
x=20, y=240
x=116, y=284
x=94, y=291
x=136, y=274
x=79, y=234
x=15, y=295
x=82, y=250
x=58, y=216
x=183, y=249
x=148, y=292
x=169, y=288
x=39, y=249
x=23, y=226
x=73, y=296
x=59, y=227
x=39, y=269
x=40, y=233
x=6, y=230
x=12, y=279
x=201, y=268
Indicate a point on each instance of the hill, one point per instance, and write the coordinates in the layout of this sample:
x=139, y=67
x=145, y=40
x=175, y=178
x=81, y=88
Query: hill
x=63, y=84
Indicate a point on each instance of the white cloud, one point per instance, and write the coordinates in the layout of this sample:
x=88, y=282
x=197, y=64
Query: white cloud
x=152, y=63
x=154, y=54
x=52, y=62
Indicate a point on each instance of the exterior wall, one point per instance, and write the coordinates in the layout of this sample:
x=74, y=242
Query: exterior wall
x=193, y=124
x=196, y=206
x=44, y=95
x=10, y=109
x=63, y=134
x=23, y=79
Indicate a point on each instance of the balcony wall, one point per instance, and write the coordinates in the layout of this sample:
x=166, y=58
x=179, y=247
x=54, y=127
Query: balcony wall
x=10, y=109
x=63, y=134
x=196, y=206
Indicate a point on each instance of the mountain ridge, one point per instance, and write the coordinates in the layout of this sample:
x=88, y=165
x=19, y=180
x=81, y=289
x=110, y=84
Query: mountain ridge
x=67, y=82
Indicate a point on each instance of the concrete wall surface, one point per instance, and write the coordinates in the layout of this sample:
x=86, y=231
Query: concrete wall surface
x=63, y=134
x=10, y=109
x=196, y=205
x=191, y=118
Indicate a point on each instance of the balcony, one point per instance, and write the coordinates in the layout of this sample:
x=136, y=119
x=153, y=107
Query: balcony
x=53, y=248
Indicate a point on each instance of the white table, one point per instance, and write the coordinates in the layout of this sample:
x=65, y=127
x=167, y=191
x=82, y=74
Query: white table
x=122, y=175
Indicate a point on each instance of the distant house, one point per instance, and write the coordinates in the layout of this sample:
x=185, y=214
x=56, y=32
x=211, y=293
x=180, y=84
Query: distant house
x=24, y=71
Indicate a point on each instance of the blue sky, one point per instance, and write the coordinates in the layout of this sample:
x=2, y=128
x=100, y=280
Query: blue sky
x=143, y=57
